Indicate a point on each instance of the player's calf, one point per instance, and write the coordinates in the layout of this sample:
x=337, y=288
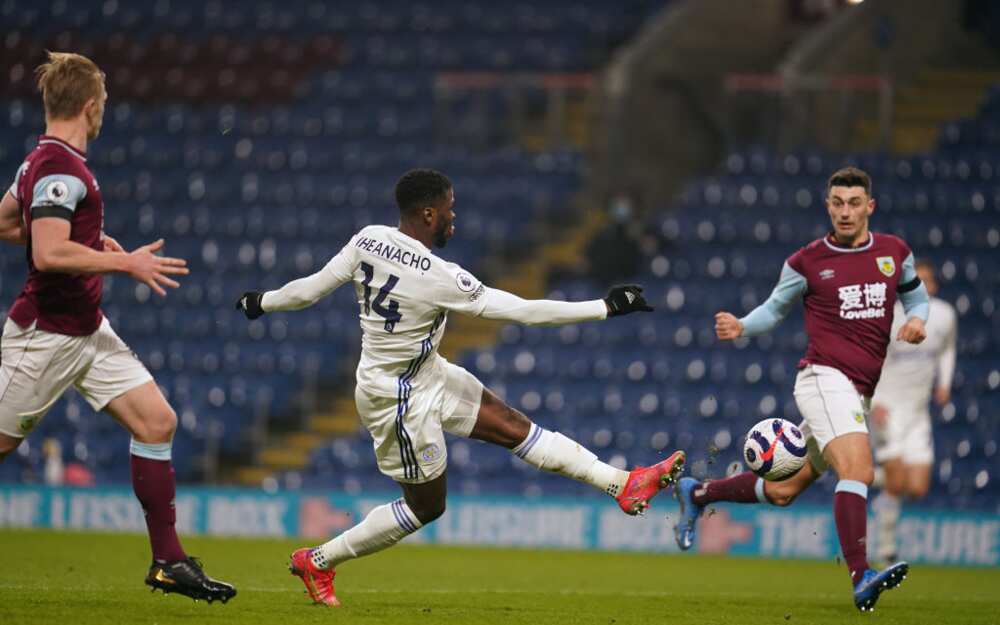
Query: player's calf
x=384, y=526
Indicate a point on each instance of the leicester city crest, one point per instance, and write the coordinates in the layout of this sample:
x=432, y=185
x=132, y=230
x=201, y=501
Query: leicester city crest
x=886, y=264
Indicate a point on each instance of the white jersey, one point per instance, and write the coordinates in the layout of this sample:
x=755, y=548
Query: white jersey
x=404, y=293
x=909, y=370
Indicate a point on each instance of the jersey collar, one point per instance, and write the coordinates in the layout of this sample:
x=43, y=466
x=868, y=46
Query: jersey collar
x=832, y=244
x=46, y=140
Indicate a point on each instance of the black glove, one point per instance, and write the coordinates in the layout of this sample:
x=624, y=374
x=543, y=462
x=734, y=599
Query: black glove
x=250, y=304
x=624, y=299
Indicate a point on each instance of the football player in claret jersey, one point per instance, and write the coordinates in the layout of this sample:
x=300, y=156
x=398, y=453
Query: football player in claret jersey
x=55, y=335
x=849, y=282
x=904, y=445
x=408, y=396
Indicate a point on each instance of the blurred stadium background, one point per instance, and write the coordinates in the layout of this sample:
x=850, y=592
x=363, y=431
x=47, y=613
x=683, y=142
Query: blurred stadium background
x=257, y=136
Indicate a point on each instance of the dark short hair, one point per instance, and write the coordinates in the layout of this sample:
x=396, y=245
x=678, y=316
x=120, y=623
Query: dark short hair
x=418, y=188
x=850, y=177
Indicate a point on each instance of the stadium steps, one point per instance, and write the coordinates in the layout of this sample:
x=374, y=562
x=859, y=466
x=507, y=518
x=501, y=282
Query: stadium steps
x=527, y=279
x=936, y=97
x=292, y=451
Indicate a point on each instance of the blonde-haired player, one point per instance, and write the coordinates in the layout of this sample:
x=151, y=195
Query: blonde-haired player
x=56, y=335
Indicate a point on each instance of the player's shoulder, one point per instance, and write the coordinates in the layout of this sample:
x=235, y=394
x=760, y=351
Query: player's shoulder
x=807, y=251
x=49, y=159
x=454, y=275
x=885, y=241
x=368, y=236
x=371, y=231
x=375, y=229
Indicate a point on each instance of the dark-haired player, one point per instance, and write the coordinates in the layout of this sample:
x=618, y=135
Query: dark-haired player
x=56, y=336
x=408, y=396
x=849, y=282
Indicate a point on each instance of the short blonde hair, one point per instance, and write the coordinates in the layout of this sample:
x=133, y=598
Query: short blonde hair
x=67, y=81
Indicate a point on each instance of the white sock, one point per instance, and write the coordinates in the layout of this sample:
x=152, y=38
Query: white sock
x=758, y=489
x=384, y=526
x=887, y=508
x=551, y=451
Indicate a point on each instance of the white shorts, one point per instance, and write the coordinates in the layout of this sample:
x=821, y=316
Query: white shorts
x=906, y=435
x=408, y=430
x=830, y=406
x=36, y=367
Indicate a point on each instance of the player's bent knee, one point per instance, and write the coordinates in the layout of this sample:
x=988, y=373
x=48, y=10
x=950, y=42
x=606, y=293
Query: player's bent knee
x=160, y=426
x=860, y=473
x=867, y=476
x=917, y=491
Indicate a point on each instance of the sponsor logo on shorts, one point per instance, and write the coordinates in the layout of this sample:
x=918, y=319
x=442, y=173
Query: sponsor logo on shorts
x=430, y=453
x=859, y=416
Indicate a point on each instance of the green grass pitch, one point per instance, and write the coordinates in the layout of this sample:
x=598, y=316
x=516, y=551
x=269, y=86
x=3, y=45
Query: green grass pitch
x=81, y=579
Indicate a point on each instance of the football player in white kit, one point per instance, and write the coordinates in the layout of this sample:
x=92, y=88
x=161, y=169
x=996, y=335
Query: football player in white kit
x=408, y=396
x=904, y=446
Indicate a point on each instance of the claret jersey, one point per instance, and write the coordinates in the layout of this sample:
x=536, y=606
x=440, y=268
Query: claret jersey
x=55, y=182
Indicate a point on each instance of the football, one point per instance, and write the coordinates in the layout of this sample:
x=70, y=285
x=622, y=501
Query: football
x=775, y=449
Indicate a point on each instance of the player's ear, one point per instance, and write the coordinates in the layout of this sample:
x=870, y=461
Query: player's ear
x=428, y=212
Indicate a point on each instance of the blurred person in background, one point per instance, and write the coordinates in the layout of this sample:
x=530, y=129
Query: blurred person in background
x=904, y=444
x=616, y=251
x=56, y=335
x=54, y=468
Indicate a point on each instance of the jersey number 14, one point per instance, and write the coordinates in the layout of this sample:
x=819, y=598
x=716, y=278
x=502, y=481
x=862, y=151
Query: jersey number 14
x=388, y=312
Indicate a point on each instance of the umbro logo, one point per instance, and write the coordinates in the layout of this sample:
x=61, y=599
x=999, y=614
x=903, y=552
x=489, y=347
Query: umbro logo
x=826, y=274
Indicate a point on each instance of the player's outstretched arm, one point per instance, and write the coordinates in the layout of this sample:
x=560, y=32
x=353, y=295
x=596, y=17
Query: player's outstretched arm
x=503, y=306
x=791, y=286
x=53, y=251
x=11, y=226
x=301, y=293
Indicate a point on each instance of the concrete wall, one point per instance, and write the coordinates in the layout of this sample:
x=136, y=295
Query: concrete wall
x=662, y=115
